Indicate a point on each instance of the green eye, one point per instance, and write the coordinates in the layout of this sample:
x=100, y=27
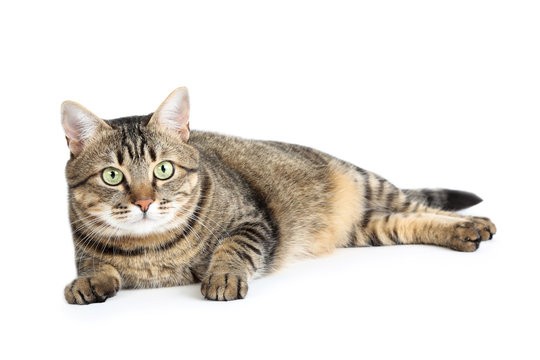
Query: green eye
x=164, y=170
x=112, y=176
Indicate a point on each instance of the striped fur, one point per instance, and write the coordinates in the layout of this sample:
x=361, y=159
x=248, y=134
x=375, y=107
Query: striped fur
x=234, y=210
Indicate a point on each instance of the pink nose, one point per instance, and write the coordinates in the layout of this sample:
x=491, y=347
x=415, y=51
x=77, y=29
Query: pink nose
x=144, y=204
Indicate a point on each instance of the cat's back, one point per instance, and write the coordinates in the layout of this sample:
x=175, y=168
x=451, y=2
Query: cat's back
x=257, y=150
x=265, y=165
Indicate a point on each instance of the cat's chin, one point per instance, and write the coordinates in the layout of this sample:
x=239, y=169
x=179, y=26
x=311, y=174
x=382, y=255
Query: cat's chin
x=142, y=227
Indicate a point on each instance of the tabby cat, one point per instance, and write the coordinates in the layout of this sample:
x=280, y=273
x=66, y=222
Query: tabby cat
x=154, y=204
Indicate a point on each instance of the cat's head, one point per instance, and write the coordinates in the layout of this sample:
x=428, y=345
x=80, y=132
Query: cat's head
x=131, y=176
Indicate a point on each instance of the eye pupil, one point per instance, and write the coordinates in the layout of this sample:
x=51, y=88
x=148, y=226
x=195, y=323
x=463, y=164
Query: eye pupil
x=163, y=168
x=113, y=175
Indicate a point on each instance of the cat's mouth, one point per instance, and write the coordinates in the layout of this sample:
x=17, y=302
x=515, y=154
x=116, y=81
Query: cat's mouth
x=140, y=224
x=144, y=219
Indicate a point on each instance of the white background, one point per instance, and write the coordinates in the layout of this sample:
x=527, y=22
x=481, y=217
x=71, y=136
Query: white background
x=425, y=93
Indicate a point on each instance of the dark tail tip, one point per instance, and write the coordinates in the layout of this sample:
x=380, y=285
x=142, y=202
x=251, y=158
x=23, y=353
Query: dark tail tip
x=459, y=200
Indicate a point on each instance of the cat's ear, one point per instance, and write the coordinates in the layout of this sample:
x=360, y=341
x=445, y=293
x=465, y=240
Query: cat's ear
x=173, y=113
x=80, y=125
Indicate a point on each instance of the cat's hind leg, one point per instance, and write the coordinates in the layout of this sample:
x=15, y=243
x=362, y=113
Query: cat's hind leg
x=485, y=225
x=452, y=231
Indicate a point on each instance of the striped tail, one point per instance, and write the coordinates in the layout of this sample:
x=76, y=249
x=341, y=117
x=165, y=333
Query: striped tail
x=445, y=199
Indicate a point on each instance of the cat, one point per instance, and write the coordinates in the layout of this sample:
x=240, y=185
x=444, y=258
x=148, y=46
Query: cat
x=153, y=204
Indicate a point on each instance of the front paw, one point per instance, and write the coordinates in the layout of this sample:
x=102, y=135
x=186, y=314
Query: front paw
x=91, y=289
x=224, y=287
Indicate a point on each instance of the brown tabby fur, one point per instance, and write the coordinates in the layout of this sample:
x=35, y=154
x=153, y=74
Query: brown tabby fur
x=244, y=208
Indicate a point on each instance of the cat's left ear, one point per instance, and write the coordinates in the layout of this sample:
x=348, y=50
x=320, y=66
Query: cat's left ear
x=173, y=114
x=80, y=125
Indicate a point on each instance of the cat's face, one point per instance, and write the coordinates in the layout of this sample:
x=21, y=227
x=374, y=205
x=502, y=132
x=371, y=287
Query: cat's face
x=132, y=176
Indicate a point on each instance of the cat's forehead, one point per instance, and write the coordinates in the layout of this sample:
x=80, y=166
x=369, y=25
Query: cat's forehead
x=132, y=141
x=129, y=121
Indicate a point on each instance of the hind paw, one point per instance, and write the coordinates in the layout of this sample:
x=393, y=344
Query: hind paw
x=465, y=237
x=485, y=226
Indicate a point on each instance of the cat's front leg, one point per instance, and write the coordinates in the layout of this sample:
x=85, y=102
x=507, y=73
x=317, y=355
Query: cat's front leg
x=235, y=260
x=94, y=285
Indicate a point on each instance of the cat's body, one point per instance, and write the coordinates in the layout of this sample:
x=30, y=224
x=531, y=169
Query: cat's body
x=233, y=209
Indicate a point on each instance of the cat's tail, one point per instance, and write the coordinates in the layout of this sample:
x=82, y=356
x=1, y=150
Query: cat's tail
x=445, y=199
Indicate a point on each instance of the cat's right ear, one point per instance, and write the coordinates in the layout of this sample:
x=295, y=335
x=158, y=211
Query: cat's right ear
x=80, y=125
